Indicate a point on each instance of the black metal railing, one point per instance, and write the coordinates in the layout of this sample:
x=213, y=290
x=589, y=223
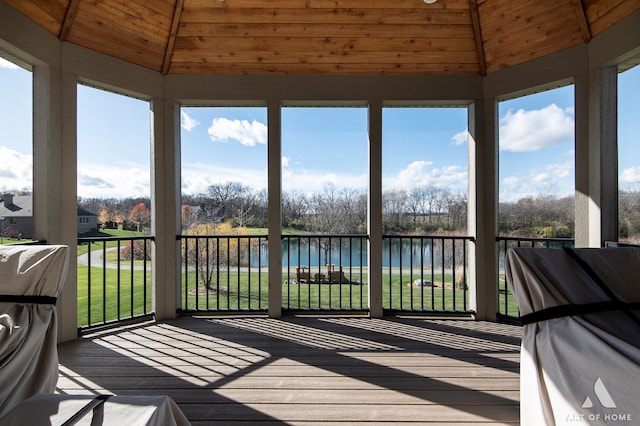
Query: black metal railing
x=426, y=273
x=224, y=272
x=114, y=280
x=324, y=272
x=507, y=304
x=320, y=272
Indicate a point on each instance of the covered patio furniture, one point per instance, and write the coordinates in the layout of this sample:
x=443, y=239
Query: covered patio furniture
x=103, y=410
x=31, y=278
x=580, y=354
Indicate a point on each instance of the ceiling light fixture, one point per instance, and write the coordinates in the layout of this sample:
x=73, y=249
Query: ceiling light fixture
x=430, y=1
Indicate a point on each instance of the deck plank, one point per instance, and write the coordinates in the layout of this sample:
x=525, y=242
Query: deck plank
x=308, y=370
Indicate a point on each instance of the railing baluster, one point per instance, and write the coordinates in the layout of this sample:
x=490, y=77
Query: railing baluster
x=132, y=275
x=117, y=303
x=104, y=283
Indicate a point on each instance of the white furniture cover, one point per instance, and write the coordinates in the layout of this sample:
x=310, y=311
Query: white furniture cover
x=31, y=278
x=580, y=355
x=28, y=327
x=118, y=410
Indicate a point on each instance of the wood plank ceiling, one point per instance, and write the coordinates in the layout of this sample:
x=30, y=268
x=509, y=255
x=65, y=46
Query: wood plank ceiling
x=326, y=37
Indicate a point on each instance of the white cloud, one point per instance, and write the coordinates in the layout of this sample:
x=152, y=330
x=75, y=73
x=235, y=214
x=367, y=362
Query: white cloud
x=314, y=182
x=111, y=181
x=461, y=138
x=420, y=173
x=15, y=170
x=197, y=177
x=555, y=179
x=188, y=123
x=7, y=64
x=248, y=134
x=526, y=131
x=286, y=171
x=630, y=175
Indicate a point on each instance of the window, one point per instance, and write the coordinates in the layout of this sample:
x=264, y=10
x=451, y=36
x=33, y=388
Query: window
x=425, y=170
x=16, y=152
x=536, y=165
x=324, y=169
x=114, y=152
x=224, y=166
x=628, y=162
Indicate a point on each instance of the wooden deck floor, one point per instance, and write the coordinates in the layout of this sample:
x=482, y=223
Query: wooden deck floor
x=308, y=370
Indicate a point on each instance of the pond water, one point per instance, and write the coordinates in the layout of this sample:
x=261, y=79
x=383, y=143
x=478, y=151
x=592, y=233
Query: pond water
x=395, y=253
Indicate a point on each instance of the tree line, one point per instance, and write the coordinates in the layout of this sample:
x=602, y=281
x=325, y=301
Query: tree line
x=419, y=210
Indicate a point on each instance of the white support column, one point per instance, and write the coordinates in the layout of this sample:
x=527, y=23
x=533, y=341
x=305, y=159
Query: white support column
x=374, y=222
x=55, y=200
x=483, y=207
x=165, y=206
x=596, y=161
x=274, y=219
x=609, y=154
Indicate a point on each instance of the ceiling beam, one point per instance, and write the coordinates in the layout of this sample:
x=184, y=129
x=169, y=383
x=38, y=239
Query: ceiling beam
x=477, y=34
x=582, y=20
x=69, y=17
x=168, y=53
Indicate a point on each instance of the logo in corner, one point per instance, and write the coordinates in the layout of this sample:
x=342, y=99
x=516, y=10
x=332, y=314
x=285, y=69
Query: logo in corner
x=602, y=394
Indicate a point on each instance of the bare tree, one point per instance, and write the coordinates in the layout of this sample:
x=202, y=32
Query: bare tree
x=416, y=203
x=393, y=205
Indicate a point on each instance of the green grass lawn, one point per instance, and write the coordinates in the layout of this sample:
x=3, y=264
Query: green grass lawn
x=397, y=294
x=112, y=297
x=249, y=291
x=507, y=304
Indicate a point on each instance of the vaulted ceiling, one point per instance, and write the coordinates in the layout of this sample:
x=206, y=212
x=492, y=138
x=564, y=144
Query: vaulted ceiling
x=326, y=37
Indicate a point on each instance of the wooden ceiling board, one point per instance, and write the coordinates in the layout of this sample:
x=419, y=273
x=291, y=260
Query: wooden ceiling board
x=328, y=4
x=329, y=69
x=131, y=17
x=341, y=37
x=128, y=30
x=603, y=14
x=316, y=51
x=514, y=32
x=333, y=35
x=49, y=14
x=117, y=41
x=276, y=15
x=311, y=30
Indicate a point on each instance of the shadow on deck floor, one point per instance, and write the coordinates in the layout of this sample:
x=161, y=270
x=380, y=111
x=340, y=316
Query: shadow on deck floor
x=308, y=370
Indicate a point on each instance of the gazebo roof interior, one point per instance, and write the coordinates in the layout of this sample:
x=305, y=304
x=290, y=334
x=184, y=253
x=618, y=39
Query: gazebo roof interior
x=326, y=37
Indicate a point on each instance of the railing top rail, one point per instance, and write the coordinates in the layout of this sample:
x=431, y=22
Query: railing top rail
x=123, y=238
x=439, y=237
x=541, y=239
x=179, y=237
x=366, y=236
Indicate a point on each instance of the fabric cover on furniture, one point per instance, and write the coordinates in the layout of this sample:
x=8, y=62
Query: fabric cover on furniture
x=28, y=327
x=580, y=355
x=118, y=410
x=31, y=278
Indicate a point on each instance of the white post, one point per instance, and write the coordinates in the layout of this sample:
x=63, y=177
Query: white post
x=55, y=201
x=274, y=219
x=165, y=206
x=483, y=205
x=374, y=222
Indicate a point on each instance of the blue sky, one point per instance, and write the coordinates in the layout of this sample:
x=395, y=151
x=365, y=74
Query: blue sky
x=421, y=146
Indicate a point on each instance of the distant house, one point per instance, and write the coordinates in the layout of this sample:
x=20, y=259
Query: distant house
x=87, y=221
x=16, y=217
